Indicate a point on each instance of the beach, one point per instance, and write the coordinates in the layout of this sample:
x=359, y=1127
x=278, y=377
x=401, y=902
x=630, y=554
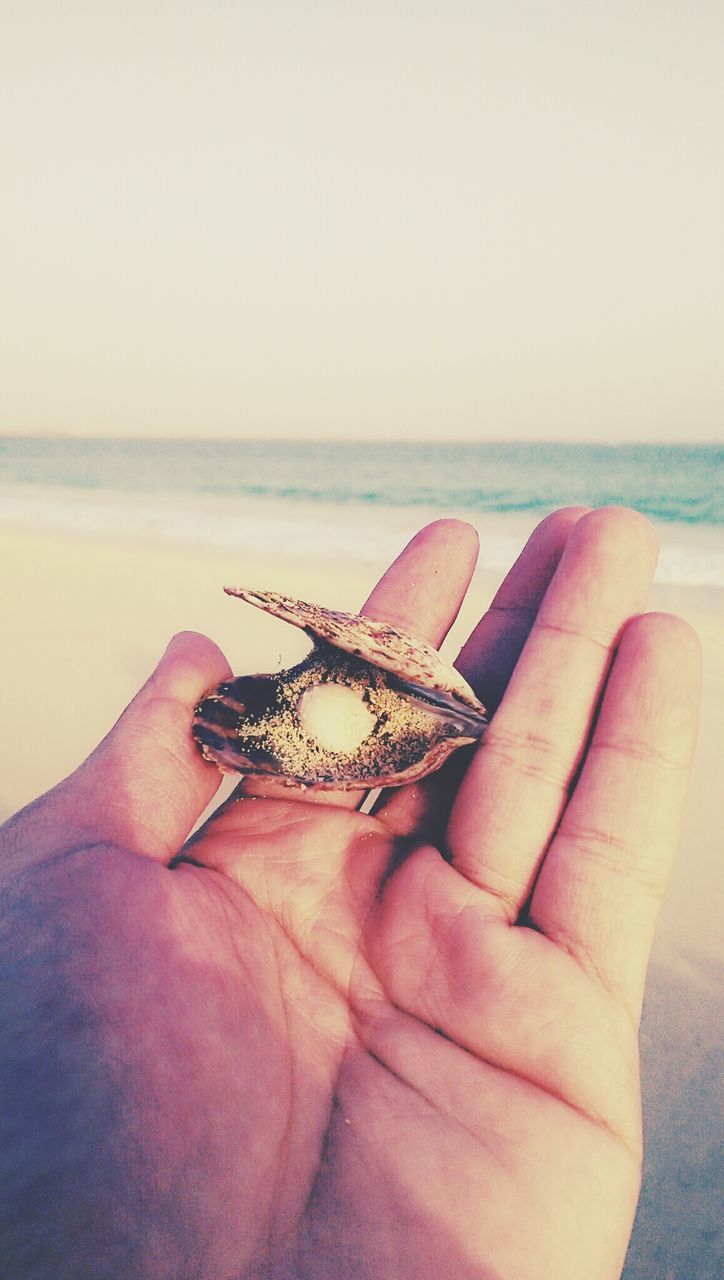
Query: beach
x=282, y=284
x=86, y=617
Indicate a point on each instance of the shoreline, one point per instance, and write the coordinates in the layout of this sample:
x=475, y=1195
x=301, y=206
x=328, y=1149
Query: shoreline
x=273, y=528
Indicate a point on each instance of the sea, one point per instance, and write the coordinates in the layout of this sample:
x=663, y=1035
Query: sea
x=341, y=500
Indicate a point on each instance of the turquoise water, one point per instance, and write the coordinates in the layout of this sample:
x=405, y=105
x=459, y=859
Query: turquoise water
x=337, y=501
x=668, y=482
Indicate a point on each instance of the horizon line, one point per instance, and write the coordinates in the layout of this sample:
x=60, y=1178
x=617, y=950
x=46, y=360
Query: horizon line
x=134, y=438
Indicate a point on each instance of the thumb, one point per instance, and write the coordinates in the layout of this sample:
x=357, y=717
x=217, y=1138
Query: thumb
x=145, y=785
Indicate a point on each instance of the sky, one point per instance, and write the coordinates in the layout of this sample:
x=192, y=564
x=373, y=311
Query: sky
x=339, y=220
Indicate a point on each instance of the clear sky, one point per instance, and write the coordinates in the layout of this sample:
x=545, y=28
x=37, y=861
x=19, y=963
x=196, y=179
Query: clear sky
x=304, y=218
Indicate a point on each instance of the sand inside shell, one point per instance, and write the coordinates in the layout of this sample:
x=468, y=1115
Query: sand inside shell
x=399, y=730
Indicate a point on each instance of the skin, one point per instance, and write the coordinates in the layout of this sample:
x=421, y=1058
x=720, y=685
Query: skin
x=306, y=1044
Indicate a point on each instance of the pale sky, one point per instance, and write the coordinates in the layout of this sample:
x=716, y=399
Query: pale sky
x=468, y=220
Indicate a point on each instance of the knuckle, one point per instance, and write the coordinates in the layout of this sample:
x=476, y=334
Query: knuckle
x=529, y=751
x=641, y=751
x=600, y=637
x=614, y=854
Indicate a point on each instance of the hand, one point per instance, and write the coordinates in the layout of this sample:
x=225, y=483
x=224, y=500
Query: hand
x=319, y=1043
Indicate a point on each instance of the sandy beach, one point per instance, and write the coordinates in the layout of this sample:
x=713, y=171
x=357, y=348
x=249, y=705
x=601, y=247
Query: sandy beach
x=84, y=621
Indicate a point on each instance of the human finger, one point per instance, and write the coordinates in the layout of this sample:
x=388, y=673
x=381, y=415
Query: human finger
x=513, y=793
x=488, y=657
x=420, y=593
x=601, y=883
x=146, y=784
x=486, y=661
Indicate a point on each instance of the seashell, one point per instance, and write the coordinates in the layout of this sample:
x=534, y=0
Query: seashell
x=369, y=707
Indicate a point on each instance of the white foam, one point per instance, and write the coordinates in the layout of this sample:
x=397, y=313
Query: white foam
x=691, y=555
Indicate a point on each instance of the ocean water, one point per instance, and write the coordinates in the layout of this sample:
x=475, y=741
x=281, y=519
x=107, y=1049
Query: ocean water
x=363, y=500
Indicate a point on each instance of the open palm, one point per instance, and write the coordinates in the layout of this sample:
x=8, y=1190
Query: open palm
x=313, y=1042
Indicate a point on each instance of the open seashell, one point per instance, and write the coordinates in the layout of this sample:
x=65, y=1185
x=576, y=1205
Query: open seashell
x=369, y=707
